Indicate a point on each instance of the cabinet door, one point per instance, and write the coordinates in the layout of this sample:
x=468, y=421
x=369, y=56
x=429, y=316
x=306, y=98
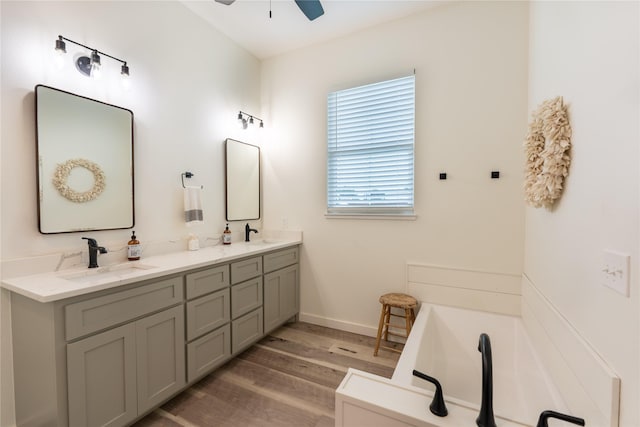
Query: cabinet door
x=246, y=330
x=246, y=269
x=281, y=300
x=160, y=356
x=207, y=313
x=208, y=351
x=280, y=259
x=207, y=281
x=101, y=374
x=245, y=297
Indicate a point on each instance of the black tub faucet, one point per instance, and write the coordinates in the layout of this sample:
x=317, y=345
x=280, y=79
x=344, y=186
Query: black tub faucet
x=93, y=252
x=248, y=230
x=542, y=421
x=486, y=418
x=437, y=406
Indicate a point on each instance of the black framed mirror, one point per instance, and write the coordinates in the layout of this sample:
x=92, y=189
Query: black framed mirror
x=242, y=164
x=84, y=156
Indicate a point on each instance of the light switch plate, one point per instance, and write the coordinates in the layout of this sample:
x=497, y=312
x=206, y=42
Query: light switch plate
x=615, y=271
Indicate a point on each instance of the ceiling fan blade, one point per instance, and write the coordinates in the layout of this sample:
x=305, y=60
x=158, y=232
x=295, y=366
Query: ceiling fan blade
x=311, y=8
x=227, y=2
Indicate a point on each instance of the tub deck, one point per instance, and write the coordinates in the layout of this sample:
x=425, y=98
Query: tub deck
x=445, y=346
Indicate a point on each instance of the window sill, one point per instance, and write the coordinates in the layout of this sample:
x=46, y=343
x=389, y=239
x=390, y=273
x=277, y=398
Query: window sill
x=372, y=216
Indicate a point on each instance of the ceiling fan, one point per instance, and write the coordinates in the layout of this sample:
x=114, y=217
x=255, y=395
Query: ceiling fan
x=311, y=8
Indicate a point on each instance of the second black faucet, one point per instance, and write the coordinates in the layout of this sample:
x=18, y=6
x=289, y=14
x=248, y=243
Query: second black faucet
x=248, y=230
x=93, y=251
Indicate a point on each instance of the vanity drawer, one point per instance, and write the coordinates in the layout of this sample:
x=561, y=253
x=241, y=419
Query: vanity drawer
x=85, y=317
x=207, y=313
x=246, y=330
x=246, y=269
x=207, y=352
x=246, y=296
x=277, y=260
x=207, y=281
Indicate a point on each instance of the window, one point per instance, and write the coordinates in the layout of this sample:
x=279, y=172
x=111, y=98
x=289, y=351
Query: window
x=370, y=140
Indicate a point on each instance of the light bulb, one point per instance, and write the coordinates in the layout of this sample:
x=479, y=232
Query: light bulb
x=95, y=71
x=60, y=51
x=126, y=81
x=95, y=65
x=58, y=59
x=124, y=76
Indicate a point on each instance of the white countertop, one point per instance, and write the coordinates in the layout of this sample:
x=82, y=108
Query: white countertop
x=54, y=286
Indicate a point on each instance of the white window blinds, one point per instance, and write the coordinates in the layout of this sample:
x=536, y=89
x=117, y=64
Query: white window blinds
x=370, y=133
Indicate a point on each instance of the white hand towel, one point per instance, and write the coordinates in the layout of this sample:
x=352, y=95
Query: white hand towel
x=192, y=205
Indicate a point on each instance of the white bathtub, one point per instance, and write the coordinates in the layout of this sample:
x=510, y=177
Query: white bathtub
x=444, y=345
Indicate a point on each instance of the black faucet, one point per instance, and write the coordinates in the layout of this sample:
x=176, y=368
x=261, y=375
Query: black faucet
x=93, y=252
x=486, y=418
x=437, y=406
x=248, y=230
x=542, y=421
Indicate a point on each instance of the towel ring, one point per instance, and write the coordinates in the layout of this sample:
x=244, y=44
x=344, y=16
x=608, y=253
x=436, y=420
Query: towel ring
x=187, y=175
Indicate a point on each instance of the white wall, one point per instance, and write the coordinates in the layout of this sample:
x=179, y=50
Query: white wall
x=471, y=96
x=472, y=63
x=188, y=83
x=588, y=52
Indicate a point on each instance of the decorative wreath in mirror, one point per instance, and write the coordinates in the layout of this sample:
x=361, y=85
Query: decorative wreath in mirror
x=547, y=153
x=61, y=175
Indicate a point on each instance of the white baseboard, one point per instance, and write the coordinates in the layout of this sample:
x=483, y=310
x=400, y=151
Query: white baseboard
x=356, y=328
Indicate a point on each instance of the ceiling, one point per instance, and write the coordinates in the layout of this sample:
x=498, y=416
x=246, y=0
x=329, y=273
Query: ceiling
x=247, y=22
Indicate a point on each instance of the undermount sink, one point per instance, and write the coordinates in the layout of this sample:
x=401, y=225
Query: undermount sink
x=108, y=272
x=262, y=242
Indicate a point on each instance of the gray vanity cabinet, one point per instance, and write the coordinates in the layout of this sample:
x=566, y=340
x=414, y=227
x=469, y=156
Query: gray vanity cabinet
x=103, y=358
x=116, y=375
x=106, y=358
x=281, y=287
x=160, y=359
x=246, y=303
x=208, y=312
x=101, y=373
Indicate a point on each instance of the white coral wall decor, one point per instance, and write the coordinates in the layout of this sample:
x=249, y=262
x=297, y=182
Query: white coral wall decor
x=61, y=175
x=547, y=153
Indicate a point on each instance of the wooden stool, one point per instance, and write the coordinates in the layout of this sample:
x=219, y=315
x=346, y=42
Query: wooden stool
x=395, y=300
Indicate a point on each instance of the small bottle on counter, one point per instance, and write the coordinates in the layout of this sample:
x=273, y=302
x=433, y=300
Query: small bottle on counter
x=194, y=243
x=134, y=248
x=226, y=236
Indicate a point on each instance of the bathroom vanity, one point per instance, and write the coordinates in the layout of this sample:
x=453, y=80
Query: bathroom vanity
x=106, y=347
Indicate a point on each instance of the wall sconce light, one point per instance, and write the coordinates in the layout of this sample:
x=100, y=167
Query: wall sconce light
x=247, y=119
x=89, y=66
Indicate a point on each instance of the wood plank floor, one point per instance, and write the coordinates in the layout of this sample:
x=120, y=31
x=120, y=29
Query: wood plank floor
x=286, y=379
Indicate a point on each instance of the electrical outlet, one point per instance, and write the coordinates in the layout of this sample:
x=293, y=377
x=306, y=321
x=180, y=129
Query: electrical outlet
x=615, y=272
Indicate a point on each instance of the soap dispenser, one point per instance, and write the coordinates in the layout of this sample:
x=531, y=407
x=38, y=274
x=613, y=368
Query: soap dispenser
x=226, y=236
x=134, y=248
x=193, y=242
